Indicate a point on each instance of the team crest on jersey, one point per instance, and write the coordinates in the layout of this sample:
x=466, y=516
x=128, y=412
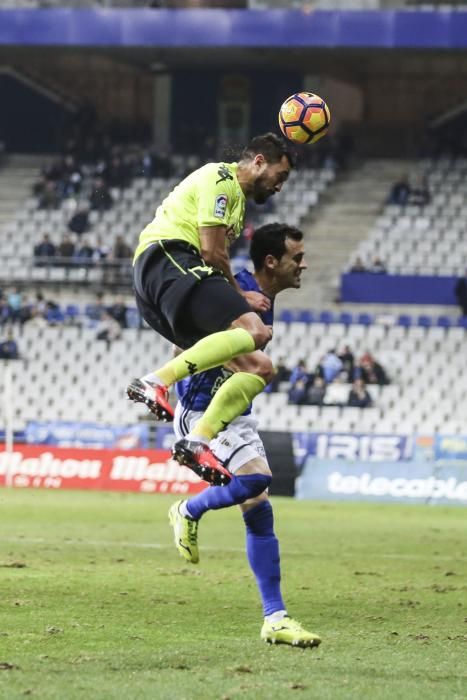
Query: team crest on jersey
x=220, y=206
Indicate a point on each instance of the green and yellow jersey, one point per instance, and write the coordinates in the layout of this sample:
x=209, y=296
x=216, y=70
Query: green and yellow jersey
x=210, y=196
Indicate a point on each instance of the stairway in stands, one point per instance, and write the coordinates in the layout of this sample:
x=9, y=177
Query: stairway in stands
x=16, y=179
x=342, y=219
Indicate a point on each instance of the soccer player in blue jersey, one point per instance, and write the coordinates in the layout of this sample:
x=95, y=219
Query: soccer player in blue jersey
x=277, y=253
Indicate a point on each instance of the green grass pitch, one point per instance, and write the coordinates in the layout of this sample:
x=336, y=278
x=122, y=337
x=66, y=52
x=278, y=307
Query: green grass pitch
x=95, y=602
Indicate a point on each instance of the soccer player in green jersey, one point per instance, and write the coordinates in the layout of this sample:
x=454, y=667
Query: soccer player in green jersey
x=186, y=291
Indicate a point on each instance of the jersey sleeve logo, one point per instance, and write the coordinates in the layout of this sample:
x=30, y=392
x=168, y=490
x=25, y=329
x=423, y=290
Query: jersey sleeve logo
x=220, y=206
x=224, y=174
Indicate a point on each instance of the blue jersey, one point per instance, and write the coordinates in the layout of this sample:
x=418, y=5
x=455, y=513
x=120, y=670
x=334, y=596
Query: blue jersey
x=195, y=392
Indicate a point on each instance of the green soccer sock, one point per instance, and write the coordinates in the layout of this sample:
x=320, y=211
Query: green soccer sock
x=232, y=398
x=212, y=351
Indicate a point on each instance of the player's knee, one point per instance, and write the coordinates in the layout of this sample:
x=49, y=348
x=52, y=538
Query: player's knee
x=260, y=365
x=252, y=323
x=255, y=363
x=249, y=486
x=266, y=370
x=251, y=503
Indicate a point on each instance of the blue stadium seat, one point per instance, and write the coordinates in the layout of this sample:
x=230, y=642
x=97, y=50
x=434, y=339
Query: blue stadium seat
x=72, y=311
x=326, y=317
x=404, y=320
x=346, y=318
x=365, y=319
x=55, y=315
x=443, y=322
x=305, y=316
x=462, y=322
x=424, y=321
x=286, y=316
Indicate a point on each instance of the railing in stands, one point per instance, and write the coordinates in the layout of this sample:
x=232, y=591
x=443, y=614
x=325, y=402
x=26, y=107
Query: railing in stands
x=114, y=274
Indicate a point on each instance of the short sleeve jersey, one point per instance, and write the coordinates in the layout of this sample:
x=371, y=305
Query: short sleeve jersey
x=195, y=392
x=209, y=196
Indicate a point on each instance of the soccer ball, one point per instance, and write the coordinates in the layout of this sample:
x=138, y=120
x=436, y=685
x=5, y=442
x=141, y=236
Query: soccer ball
x=304, y=117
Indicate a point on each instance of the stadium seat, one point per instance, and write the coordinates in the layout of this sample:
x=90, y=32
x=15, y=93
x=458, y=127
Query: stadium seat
x=326, y=317
x=443, y=322
x=286, y=316
x=424, y=321
x=365, y=319
x=404, y=320
x=345, y=318
x=72, y=311
x=305, y=316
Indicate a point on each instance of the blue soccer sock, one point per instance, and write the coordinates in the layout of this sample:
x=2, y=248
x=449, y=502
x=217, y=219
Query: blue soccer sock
x=262, y=549
x=239, y=490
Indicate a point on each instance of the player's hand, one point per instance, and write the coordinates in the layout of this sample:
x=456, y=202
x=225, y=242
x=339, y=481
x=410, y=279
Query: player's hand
x=258, y=301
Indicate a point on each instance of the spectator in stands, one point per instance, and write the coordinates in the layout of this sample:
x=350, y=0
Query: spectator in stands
x=118, y=312
x=35, y=318
x=316, y=392
x=50, y=198
x=79, y=222
x=331, y=365
x=40, y=304
x=66, y=248
x=377, y=267
x=53, y=313
x=358, y=266
x=96, y=311
x=347, y=358
x=15, y=303
x=9, y=347
x=460, y=290
x=85, y=253
x=359, y=396
x=101, y=251
x=45, y=248
x=100, y=199
x=117, y=173
x=71, y=177
x=420, y=193
x=299, y=380
x=108, y=329
x=5, y=311
x=400, y=192
x=121, y=251
x=282, y=374
x=371, y=371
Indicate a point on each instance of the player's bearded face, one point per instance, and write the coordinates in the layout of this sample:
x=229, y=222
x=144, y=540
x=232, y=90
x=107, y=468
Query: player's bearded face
x=263, y=188
x=270, y=180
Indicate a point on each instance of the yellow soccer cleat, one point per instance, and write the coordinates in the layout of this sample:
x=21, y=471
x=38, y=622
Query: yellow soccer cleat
x=288, y=631
x=185, y=532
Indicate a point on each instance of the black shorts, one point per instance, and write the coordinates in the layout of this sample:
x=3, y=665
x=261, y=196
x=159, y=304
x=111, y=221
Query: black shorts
x=180, y=296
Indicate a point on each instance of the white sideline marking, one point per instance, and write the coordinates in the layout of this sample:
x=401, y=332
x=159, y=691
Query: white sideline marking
x=158, y=545
x=104, y=543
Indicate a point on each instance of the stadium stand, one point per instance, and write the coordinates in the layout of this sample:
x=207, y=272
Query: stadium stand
x=132, y=209
x=425, y=363
x=423, y=239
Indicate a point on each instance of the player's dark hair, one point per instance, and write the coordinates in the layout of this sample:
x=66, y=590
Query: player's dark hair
x=271, y=146
x=270, y=240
